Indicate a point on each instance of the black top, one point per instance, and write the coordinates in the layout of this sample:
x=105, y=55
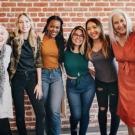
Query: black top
x=26, y=61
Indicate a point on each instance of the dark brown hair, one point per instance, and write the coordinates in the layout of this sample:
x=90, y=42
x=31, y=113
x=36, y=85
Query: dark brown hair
x=102, y=37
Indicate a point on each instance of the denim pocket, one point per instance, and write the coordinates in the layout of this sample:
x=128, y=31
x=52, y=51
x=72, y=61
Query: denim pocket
x=51, y=74
x=56, y=74
x=71, y=83
x=84, y=82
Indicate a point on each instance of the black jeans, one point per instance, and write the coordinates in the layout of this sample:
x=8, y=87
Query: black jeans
x=27, y=80
x=5, y=127
x=107, y=93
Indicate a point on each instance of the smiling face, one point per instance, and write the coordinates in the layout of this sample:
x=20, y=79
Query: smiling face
x=3, y=36
x=24, y=24
x=119, y=25
x=53, y=28
x=77, y=37
x=93, y=30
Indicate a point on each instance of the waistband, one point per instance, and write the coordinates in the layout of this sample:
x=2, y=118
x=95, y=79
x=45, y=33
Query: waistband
x=78, y=77
x=54, y=69
x=25, y=71
x=72, y=78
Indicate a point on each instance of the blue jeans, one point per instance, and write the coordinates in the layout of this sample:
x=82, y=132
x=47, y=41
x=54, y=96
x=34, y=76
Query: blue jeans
x=80, y=101
x=53, y=90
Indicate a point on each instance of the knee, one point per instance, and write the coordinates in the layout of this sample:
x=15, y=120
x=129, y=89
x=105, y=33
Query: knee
x=102, y=110
x=40, y=113
x=100, y=89
x=54, y=115
x=76, y=116
x=113, y=111
x=113, y=105
x=20, y=119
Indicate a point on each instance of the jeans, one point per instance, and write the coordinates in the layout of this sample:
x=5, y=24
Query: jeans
x=5, y=127
x=53, y=91
x=80, y=101
x=107, y=93
x=27, y=80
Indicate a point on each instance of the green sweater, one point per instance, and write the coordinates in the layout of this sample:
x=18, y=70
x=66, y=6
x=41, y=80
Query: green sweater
x=75, y=64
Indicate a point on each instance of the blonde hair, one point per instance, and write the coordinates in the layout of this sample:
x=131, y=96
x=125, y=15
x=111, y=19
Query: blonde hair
x=112, y=34
x=31, y=37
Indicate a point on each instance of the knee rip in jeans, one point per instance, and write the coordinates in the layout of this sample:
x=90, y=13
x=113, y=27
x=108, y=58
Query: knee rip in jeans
x=99, y=89
x=103, y=109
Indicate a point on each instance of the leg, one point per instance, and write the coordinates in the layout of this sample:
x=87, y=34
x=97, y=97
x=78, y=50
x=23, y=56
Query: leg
x=115, y=120
x=54, y=106
x=45, y=89
x=37, y=105
x=74, y=101
x=86, y=100
x=133, y=130
x=5, y=127
x=102, y=99
x=17, y=85
x=130, y=131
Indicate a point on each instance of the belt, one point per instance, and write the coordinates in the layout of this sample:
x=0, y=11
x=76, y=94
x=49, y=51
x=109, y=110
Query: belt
x=70, y=77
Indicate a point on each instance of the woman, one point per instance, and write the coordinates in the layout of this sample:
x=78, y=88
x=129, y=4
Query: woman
x=123, y=41
x=80, y=84
x=101, y=55
x=52, y=51
x=6, y=110
x=25, y=74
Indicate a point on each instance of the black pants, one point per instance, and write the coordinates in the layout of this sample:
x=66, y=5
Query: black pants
x=5, y=127
x=26, y=81
x=107, y=93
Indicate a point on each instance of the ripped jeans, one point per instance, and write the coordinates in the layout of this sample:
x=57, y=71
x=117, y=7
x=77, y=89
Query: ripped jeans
x=107, y=95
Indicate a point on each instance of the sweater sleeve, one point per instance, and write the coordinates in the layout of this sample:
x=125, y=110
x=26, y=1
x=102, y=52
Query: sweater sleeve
x=38, y=56
x=129, y=50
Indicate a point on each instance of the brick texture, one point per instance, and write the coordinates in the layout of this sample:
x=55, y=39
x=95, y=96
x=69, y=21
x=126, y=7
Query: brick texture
x=73, y=12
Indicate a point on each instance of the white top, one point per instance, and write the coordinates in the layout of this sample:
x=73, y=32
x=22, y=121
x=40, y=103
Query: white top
x=6, y=108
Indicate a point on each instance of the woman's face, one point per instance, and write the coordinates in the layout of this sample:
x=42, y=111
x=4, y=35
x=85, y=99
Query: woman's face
x=119, y=24
x=53, y=28
x=3, y=36
x=93, y=30
x=24, y=24
x=77, y=37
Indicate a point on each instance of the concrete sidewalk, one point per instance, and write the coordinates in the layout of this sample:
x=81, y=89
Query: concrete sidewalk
x=91, y=131
x=95, y=131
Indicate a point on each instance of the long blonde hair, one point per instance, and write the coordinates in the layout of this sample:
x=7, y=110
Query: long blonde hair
x=32, y=35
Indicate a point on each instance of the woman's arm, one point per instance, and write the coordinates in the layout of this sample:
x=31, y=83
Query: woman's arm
x=38, y=88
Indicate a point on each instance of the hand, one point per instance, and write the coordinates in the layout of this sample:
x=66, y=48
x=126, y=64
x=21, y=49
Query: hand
x=38, y=91
x=92, y=71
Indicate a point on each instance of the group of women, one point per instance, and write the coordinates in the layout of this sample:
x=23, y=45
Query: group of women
x=36, y=66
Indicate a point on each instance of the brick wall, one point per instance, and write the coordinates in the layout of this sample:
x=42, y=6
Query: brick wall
x=73, y=12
